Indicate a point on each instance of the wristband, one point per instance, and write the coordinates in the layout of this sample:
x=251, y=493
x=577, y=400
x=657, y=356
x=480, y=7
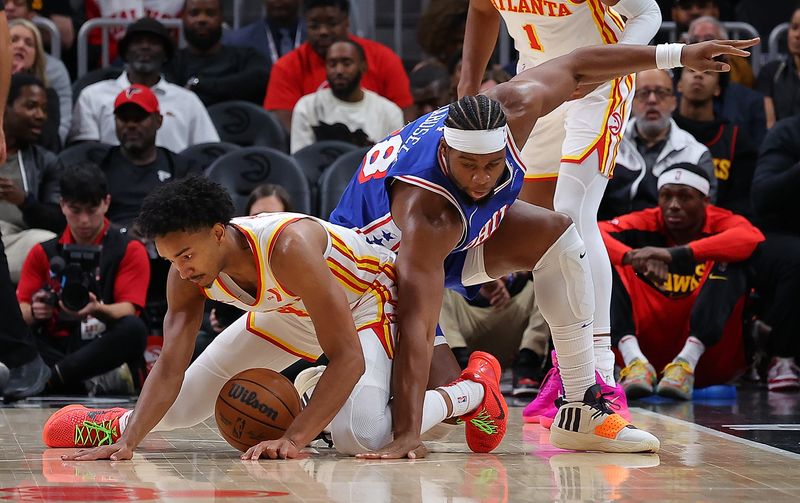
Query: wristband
x=668, y=56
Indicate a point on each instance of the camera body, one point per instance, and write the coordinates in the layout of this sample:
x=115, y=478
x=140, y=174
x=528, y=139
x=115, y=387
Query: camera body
x=77, y=269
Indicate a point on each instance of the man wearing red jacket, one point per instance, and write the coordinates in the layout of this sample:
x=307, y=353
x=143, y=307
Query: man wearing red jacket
x=679, y=282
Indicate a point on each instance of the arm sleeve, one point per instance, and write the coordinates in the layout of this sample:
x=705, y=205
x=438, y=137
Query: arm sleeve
x=644, y=20
x=302, y=134
x=85, y=126
x=776, y=181
x=622, y=234
x=34, y=275
x=734, y=238
x=283, y=90
x=41, y=210
x=248, y=83
x=59, y=81
x=133, y=276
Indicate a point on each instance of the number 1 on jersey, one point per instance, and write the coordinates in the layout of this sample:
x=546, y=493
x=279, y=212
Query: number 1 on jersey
x=530, y=30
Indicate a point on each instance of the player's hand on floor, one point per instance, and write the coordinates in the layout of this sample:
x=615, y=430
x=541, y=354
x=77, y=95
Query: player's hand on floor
x=402, y=447
x=114, y=452
x=701, y=56
x=283, y=448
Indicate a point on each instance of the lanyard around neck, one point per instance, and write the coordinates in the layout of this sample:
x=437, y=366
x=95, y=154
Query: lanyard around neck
x=273, y=49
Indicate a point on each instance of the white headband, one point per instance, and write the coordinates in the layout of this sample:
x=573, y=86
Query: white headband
x=482, y=141
x=684, y=177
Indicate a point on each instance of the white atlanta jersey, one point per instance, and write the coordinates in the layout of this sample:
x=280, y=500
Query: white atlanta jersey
x=366, y=273
x=545, y=29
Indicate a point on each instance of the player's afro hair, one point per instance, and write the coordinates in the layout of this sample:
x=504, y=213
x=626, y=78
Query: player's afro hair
x=188, y=205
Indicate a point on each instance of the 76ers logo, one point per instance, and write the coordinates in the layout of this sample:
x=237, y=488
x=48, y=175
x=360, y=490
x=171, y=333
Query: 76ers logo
x=379, y=159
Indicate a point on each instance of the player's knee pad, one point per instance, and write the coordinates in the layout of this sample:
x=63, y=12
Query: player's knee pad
x=563, y=282
x=364, y=423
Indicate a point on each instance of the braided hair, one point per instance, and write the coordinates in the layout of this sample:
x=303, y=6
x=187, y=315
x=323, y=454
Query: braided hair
x=474, y=113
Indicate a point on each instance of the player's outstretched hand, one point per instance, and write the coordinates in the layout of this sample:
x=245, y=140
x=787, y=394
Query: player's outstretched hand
x=410, y=447
x=701, y=56
x=283, y=448
x=114, y=452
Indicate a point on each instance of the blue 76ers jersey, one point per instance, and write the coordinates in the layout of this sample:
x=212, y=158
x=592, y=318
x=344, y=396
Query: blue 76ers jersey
x=411, y=155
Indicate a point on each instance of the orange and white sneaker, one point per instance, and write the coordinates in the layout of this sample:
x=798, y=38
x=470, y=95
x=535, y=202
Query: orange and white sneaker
x=591, y=425
x=486, y=425
x=78, y=426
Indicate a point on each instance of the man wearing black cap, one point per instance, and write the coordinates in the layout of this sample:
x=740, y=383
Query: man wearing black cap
x=145, y=48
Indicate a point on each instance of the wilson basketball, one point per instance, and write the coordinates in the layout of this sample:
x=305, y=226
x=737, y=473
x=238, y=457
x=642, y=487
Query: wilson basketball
x=255, y=405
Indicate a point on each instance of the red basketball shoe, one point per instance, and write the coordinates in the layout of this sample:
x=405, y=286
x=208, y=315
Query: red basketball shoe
x=77, y=426
x=486, y=425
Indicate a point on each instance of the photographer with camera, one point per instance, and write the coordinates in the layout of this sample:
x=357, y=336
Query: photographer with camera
x=81, y=293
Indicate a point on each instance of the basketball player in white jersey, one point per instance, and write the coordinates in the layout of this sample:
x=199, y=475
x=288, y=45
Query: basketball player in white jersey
x=308, y=286
x=570, y=153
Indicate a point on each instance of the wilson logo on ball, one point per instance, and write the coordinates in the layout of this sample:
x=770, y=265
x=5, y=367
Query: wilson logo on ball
x=247, y=397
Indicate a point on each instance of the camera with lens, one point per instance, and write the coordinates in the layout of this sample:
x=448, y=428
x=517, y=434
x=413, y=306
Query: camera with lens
x=76, y=269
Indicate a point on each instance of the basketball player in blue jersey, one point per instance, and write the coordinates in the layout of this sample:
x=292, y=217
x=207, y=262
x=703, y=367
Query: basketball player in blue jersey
x=442, y=193
x=307, y=286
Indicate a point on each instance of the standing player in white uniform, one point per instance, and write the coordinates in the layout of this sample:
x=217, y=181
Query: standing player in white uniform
x=308, y=286
x=570, y=153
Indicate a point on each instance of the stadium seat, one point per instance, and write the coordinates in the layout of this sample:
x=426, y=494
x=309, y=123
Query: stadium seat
x=335, y=179
x=88, y=151
x=206, y=153
x=246, y=124
x=243, y=170
x=315, y=159
x=92, y=78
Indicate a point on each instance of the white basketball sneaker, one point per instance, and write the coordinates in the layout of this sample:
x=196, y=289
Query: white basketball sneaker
x=591, y=425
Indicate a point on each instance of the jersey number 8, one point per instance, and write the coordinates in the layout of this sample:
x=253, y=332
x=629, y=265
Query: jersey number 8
x=380, y=158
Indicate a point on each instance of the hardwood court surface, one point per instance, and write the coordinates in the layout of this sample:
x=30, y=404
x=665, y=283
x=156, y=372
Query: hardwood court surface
x=696, y=463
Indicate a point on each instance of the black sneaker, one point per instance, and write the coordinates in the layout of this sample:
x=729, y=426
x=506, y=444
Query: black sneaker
x=527, y=374
x=27, y=380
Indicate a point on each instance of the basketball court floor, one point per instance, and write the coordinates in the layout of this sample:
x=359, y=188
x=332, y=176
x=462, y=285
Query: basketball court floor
x=742, y=449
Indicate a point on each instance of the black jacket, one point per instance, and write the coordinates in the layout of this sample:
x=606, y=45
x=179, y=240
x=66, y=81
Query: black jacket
x=776, y=182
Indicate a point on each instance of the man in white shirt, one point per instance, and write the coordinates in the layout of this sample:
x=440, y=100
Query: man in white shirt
x=145, y=48
x=344, y=110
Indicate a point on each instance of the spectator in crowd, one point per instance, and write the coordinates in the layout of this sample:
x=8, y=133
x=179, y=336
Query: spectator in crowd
x=686, y=11
x=55, y=73
x=215, y=72
x=29, y=177
x=430, y=88
x=344, y=110
x=277, y=34
x=678, y=287
x=651, y=143
x=441, y=27
x=57, y=11
x=146, y=47
x=125, y=9
x=737, y=103
x=502, y=320
x=303, y=70
x=137, y=166
x=710, y=28
x=268, y=198
x=82, y=342
x=22, y=371
x=732, y=150
x=28, y=56
x=779, y=80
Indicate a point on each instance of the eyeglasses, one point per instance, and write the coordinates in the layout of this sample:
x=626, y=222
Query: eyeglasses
x=661, y=93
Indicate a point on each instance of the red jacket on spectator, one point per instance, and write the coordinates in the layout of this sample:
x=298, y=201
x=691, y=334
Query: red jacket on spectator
x=662, y=313
x=302, y=72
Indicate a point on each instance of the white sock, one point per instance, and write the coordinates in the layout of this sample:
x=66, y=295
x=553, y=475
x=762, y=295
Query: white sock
x=604, y=358
x=629, y=347
x=692, y=351
x=123, y=421
x=465, y=395
x=434, y=410
x=575, y=354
